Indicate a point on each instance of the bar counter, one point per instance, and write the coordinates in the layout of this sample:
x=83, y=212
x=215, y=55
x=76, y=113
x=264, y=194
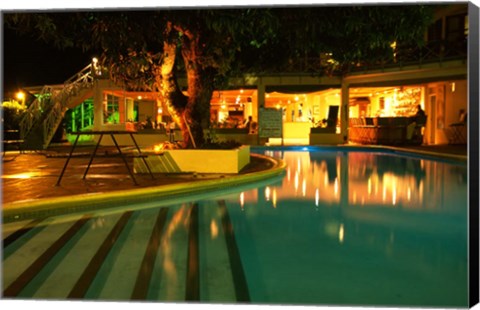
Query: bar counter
x=387, y=130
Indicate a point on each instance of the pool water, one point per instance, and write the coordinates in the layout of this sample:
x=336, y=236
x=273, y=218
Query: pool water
x=341, y=227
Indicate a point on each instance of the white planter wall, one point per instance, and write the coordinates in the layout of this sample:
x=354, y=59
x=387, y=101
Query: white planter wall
x=200, y=161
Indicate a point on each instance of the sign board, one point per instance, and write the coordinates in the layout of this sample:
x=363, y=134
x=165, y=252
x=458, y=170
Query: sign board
x=270, y=123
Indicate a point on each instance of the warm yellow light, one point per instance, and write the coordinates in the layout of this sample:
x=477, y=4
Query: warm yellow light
x=274, y=198
x=25, y=175
x=394, y=196
x=242, y=200
x=158, y=148
x=296, y=181
x=139, y=97
x=341, y=233
x=267, y=193
x=213, y=229
x=304, y=187
x=20, y=95
x=95, y=60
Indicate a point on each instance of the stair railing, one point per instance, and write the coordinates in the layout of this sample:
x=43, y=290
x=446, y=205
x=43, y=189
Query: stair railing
x=34, y=110
x=72, y=87
x=83, y=76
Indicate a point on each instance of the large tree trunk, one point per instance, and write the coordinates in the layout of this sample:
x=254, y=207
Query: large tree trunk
x=167, y=85
x=200, y=89
x=192, y=113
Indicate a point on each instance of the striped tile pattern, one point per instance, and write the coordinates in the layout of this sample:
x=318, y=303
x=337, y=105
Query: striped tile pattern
x=180, y=253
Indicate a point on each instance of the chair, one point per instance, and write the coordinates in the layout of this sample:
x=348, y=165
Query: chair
x=417, y=132
x=332, y=116
x=458, y=131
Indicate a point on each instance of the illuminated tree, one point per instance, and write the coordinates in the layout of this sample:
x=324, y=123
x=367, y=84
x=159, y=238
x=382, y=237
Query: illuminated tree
x=148, y=49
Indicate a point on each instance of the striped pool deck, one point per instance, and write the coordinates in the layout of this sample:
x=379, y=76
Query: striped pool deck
x=88, y=257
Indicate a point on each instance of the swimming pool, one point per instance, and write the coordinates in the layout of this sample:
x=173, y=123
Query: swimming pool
x=341, y=227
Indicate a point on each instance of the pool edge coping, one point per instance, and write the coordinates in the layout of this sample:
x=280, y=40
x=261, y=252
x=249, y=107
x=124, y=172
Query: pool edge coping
x=389, y=148
x=16, y=210
x=426, y=153
x=78, y=202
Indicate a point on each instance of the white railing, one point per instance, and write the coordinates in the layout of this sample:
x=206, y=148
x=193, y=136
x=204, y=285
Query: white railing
x=72, y=87
x=54, y=101
x=35, y=110
x=83, y=76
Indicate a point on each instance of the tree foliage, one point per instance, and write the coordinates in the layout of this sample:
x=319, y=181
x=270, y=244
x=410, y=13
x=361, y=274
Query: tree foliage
x=148, y=49
x=11, y=111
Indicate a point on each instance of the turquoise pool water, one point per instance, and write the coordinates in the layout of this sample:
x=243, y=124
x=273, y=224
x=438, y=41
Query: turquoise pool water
x=341, y=227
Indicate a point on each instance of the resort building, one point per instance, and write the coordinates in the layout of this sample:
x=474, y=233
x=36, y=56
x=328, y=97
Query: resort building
x=371, y=104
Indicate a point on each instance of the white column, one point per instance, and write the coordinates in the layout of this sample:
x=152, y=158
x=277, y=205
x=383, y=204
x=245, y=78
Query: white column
x=260, y=104
x=82, y=114
x=97, y=106
x=74, y=124
x=260, y=97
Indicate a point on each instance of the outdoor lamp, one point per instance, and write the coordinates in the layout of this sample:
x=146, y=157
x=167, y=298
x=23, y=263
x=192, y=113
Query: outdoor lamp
x=21, y=97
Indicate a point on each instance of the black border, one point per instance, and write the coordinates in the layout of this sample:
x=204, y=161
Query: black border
x=473, y=85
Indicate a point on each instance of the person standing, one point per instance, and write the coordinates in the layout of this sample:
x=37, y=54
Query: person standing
x=171, y=131
x=248, y=125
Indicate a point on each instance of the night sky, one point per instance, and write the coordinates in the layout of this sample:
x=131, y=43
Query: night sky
x=30, y=62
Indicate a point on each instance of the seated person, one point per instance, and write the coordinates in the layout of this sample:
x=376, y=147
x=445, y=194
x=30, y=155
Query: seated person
x=148, y=124
x=462, y=118
x=418, y=118
x=420, y=112
x=415, y=127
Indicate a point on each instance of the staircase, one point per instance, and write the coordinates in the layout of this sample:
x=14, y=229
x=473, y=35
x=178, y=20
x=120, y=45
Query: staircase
x=45, y=113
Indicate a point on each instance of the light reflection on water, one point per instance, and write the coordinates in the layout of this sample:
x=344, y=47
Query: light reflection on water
x=367, y=180
x=356, y=228
x=340, y=228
